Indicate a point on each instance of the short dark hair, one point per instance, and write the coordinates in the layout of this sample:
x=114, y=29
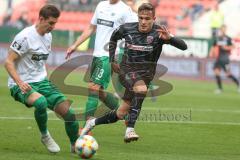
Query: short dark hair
x=49, y=10
x=146, y=7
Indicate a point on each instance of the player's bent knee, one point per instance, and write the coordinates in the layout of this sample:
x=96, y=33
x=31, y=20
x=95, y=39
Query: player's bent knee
x=62, y=108
x=70, y=116
x=65, y=111
x=41, y=103
x=140, y=89
x=94, y=87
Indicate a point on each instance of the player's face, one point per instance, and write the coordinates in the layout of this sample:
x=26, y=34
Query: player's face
x=113, y=1
x=146, y=20
x=47, y=25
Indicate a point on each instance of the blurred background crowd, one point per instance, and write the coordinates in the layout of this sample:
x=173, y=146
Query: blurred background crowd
x=195, y=18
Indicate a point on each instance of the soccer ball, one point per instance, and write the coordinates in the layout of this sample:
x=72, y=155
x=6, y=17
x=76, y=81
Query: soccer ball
x=86, y=146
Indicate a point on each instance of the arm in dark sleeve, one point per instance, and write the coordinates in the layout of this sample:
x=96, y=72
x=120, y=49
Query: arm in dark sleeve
x=178, y=43
x=116, y=35
x=229, y=41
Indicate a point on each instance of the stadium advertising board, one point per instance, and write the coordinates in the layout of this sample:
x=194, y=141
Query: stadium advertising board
x=183, y=67
x=198, y=48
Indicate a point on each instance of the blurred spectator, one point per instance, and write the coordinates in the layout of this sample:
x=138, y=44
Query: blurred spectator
x=86, y=5
x=22, y=21
x=163, y=21
x=74, y=2
x=85, y=2
x=139, y=2
x=7, y=19
x=196, y=10
x=75, y=5
x=131, y=4
x=185, y=12
x=217, y=20
x=9, y=4
x=62, y=3
x=59, y=3
x=154, y=2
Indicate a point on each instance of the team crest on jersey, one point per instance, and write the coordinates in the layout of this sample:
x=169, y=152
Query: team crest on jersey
x=149, y=39
x=16, y=45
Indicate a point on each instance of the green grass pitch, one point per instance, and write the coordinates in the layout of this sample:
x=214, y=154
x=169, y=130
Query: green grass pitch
x=194, y=124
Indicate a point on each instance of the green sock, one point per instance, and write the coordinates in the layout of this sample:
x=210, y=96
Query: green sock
x=71, y=126
x=40, y=114
x=91, y=105
x=111, y=101
x=41, y=118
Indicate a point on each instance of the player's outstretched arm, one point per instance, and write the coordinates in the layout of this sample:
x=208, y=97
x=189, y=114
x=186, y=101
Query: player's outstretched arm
x=169, y=38
x=178, y=43
x=86, y=33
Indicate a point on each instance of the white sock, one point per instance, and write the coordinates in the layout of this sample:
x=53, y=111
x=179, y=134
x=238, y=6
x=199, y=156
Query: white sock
x=45, y=134
x=129, y=129
x=93, y=121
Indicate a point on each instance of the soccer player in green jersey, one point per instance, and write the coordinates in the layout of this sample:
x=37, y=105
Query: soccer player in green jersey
x=107, y=17
x=28, y=80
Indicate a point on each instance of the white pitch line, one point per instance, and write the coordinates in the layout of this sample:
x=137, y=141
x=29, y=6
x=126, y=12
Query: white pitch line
x=177, y=109
x=192, y=109
x=50, y=112
x=195, y=122
x=165, y=122
x=24, y=118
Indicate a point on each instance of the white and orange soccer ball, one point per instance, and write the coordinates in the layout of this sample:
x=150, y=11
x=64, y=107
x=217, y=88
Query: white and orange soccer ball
x=86, y=146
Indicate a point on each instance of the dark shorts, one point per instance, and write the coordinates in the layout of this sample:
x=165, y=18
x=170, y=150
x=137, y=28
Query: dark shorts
x=129, y=79
x=221, y=65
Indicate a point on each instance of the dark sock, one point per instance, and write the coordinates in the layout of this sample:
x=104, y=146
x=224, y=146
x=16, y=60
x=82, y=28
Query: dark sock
x=234, y=79
x=134, y=112
x=219, y=82
x=110, y=117
x=91, y=105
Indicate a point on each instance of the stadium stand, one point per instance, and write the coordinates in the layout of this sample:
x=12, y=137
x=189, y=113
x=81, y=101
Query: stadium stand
x=175, y=13
x=175, y=8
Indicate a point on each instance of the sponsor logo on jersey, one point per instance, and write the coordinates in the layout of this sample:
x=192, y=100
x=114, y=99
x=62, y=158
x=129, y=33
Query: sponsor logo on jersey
x=149, y=39
x=39, y=57
x=140, y=48
x=105, y=22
